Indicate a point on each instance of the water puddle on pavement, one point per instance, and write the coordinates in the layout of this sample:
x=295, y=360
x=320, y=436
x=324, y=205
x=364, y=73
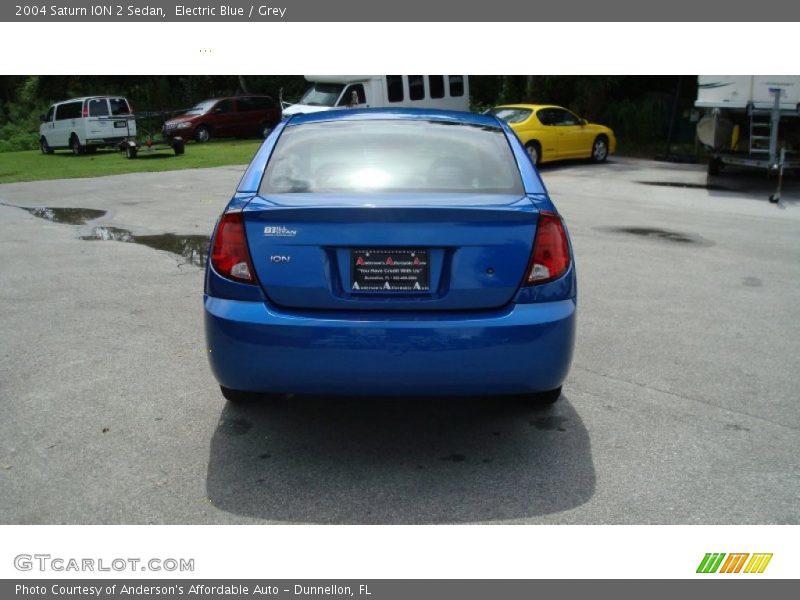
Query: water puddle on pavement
x=67, y=216
x=679, y=184
x=659, y=234
x=192, y=248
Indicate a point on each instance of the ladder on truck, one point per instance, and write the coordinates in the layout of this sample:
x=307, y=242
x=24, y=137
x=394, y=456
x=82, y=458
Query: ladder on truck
x=764, y=124
x=764, y=148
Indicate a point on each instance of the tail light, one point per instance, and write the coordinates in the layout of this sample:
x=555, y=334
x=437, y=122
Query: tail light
x=85, y=112
x=550, y=256
x=229, y=255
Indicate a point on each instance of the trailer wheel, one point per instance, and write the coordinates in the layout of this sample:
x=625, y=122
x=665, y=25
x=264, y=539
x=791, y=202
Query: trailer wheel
x=714, y=165
x=178, y=147
x=131, y=152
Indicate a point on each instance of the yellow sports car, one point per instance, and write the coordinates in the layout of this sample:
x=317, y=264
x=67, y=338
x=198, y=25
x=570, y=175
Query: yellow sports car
x=554, y=133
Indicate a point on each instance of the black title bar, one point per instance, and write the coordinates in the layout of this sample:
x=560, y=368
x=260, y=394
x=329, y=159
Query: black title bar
x=406, y=11
x=393, y=589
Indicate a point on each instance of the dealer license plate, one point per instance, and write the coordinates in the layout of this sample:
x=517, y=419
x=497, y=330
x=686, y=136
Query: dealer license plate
x=389, y=270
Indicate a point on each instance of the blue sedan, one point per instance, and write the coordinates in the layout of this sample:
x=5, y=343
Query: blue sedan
x=391, y=252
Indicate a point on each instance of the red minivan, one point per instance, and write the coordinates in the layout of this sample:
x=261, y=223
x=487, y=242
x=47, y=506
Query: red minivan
x=237, y=116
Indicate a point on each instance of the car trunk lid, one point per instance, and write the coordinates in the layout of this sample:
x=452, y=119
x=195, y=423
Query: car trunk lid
x=454, y=251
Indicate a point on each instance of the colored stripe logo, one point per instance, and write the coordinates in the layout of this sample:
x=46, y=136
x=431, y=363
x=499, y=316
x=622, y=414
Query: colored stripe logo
x=719, y=562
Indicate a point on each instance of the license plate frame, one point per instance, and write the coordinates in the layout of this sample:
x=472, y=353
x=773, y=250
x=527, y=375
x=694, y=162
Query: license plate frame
x=390, y=270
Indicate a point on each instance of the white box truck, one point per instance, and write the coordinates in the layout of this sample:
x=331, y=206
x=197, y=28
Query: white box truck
x=736, y=92
x=750, y=121
x=327, y=92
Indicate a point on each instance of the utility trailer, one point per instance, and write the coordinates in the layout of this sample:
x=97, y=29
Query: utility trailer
x=151, y=143
x=750, y=121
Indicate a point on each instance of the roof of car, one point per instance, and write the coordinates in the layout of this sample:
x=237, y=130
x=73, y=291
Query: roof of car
x=237, y=96
x=82, y=98
x=422, y=114
x=530, y=106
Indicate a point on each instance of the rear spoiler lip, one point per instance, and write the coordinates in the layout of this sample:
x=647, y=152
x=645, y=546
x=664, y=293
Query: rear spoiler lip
x=384, y=205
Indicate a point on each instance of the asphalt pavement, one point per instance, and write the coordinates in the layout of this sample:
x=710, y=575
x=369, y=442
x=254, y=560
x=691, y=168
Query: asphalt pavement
x=681, y=406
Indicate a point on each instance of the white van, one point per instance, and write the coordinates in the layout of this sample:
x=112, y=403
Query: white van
x=86, y=124
x=448, y=92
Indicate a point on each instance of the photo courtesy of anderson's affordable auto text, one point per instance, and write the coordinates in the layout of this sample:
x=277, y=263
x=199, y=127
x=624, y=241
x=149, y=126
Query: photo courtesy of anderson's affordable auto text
x=235, y=295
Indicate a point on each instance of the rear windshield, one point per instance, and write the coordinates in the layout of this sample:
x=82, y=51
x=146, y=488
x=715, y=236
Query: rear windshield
x=119, y=106
x=98, y=107
x=392, y=156
x=511, y=115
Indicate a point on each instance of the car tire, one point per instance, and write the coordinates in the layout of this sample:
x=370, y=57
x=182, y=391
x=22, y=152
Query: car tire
x=202, y=134
x=236, y=396
x=545, y=398
x=75, y=146
x=44, y=146
x=265, y=130
x=534, y=150
x=241, y=397
x=599, y=149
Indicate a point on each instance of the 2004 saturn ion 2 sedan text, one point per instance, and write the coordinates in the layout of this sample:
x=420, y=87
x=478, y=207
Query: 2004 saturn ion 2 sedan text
x=391, y=252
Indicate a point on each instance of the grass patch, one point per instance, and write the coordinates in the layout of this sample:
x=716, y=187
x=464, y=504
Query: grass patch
x=32, y=165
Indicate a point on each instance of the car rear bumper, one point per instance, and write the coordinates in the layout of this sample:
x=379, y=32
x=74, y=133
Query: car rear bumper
x=522, y=348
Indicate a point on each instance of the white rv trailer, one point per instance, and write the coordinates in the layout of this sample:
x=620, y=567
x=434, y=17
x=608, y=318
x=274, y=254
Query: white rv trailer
x=750, y=121
x=326, y=92
x=740, y=91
